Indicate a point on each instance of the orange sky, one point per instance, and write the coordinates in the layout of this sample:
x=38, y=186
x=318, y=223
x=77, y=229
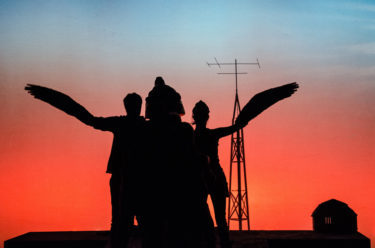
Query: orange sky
x=317, y=145
x=299, y=153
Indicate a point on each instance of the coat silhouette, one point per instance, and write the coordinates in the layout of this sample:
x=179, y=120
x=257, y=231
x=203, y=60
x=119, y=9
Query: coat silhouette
x=176, y=212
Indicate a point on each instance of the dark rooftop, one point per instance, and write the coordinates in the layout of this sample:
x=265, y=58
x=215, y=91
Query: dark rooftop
x=333, y=204
x=242, y=239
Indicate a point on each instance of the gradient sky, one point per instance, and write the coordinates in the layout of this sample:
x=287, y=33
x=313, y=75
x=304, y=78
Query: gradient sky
x=310, y=148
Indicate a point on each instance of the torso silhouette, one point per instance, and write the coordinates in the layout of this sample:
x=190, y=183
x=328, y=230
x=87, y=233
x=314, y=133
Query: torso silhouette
x=174, y=202
x=126, y=145
x=207, y=141
x=171, y=160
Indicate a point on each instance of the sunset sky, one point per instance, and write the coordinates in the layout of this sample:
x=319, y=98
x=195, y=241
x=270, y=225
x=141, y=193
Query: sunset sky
x=316, y=145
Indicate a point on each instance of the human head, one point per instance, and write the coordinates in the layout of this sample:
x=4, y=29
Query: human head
x=163, y=100
x=201, y=113
x=133, y=104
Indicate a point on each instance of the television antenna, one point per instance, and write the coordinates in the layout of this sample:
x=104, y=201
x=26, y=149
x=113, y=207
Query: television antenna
x=238, y=204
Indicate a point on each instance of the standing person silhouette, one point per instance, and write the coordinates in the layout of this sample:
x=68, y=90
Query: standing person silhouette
x=176, y=214
x=207, y=141
x=122, y=163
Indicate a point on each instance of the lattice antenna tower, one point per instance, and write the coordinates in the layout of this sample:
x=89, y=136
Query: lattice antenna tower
x=238, y=204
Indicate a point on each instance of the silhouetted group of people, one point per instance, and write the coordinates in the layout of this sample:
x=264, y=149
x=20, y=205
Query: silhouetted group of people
x=162, y=170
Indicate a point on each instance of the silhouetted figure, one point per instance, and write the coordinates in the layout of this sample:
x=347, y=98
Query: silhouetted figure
x=207, y=141
x=123, y=161
x=177, y=214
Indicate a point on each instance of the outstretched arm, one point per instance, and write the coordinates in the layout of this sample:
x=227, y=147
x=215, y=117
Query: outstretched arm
x=264, y=100
x=62, y=102
x=255, y=106
x=225, y=131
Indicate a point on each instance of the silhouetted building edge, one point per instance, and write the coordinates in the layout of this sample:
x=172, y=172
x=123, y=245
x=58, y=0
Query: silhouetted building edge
x=243, y=239
x=334, y=216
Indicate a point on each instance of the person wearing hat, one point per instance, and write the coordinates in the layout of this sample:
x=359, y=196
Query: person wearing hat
x=175, y=213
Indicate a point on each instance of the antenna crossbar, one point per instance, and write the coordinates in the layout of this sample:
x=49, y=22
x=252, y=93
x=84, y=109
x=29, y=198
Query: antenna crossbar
x=235, y=63
x=231, y=73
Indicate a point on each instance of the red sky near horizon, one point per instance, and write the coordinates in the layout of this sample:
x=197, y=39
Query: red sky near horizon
x=315, y=146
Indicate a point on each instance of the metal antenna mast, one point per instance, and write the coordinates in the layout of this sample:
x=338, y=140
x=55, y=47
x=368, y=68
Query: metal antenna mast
x=238, y=205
